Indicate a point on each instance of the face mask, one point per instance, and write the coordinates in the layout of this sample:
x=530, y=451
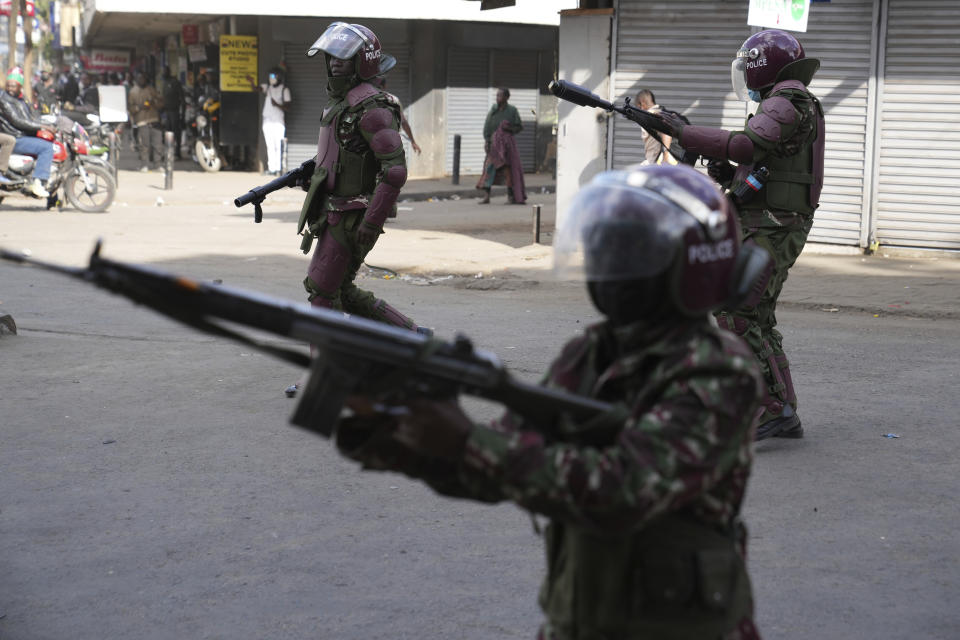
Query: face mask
x=754, y=95
x=273, y=79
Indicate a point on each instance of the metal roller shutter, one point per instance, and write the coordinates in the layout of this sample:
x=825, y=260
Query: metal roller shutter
x=468, y=99
x=682, y=52
x=517, y=71
x=916, y=202
x=307, y=80
x=842, y=35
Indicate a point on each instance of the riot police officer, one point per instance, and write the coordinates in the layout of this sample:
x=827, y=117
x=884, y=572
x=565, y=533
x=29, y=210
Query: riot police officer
x=360, y=168
x=644, y=538
x=786, y=137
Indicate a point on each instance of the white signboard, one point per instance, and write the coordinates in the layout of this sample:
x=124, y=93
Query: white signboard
x=790, y=15
x=113, y=103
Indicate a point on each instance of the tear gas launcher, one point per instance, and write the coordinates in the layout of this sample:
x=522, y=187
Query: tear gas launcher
x=651, y=124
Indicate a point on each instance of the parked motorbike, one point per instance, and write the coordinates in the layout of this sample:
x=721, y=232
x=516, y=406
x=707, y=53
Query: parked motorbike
x=85, y=180
x=206, y=127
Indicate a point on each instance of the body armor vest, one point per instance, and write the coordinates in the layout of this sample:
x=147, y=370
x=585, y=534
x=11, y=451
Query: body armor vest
x=795, y=165
x=674, y=579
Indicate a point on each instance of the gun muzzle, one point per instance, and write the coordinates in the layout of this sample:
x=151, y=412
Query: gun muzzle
x=578, y=95
x=246, y=198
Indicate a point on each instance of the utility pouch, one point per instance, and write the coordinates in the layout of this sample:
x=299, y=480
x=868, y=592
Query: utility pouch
x=313, y=203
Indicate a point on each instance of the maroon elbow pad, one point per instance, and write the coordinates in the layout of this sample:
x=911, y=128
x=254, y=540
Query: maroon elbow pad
x=707, y=141
x=768, y=124
x=385, y=196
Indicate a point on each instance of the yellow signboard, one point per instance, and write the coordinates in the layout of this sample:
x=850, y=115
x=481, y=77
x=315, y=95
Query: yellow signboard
x=238, y=59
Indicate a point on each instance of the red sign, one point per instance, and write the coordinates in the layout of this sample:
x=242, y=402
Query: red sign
x=106, y=60
x=5, y=7
x=191, y=34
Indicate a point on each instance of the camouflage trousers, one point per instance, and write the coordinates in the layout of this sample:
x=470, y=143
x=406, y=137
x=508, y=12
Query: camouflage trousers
x=333, y=268
x=783, y=235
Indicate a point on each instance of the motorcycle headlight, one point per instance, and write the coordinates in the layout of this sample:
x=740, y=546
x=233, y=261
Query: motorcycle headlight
x=201, y=120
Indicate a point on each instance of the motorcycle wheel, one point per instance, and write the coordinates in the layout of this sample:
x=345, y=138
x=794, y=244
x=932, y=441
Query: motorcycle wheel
x=208, y=157
x=95, y=201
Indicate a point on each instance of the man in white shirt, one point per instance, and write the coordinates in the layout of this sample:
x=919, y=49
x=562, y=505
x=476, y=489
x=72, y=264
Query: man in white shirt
x=275, y=103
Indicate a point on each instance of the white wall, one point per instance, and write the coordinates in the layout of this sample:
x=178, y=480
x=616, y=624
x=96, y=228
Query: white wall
x=582, y=131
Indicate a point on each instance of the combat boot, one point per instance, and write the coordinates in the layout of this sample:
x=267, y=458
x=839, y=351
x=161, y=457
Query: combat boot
x=786, y=425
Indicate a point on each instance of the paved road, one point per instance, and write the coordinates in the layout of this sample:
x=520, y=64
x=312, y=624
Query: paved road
x=152, y=488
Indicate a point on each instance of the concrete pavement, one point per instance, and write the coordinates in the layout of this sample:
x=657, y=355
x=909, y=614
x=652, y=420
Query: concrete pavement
x=491, y=240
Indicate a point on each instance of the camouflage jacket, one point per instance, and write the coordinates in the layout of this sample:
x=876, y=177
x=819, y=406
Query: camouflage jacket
x=635, y=493
x=644, y=539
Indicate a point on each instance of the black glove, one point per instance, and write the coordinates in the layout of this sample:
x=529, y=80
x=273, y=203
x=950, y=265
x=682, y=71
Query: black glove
x=721, y=171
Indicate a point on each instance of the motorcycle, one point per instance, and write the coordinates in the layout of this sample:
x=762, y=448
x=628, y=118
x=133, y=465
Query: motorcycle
x=86, y=180
x=207, y=147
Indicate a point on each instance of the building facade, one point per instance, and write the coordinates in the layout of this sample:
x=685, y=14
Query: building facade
x=889, y=83
x=452, y=57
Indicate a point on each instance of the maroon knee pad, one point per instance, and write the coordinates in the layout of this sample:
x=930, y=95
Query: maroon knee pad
x=328, y=266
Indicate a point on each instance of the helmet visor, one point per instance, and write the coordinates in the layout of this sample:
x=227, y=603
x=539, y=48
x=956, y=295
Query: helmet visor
x=738, y=78
x=614, y=233
x=340, y=40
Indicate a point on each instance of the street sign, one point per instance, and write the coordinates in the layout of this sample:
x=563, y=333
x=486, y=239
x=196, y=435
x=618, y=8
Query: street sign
x=790, y=15
x=238, y=59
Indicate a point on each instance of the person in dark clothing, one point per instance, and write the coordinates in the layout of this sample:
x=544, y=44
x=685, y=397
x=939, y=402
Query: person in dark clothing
x=45, y=93
x=18, y=119
x=68, y=89
x=173, y=103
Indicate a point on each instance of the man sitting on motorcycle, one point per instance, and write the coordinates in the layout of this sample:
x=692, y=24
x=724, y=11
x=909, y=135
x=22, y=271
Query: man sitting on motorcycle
x=18, y=119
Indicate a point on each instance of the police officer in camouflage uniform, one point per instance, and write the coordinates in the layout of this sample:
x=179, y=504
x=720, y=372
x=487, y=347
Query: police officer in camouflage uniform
x=644, y=538
x=786, y=136
x=360, y=168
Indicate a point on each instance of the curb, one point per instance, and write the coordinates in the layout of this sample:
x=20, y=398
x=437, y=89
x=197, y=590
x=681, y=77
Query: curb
x=464, y=193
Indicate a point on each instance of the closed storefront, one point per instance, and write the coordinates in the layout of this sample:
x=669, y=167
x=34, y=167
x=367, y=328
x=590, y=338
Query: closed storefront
x=696, y=82
x=843, y=36
x=889, y=83
x=682, y=54
x=917, y=201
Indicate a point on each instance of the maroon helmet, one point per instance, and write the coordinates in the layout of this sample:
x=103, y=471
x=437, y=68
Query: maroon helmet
x=664, y=237
x=760, y=60
x=345, y=41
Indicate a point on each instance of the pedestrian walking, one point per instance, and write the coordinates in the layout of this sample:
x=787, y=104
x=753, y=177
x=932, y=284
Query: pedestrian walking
x=144, y=104
x=502, y=164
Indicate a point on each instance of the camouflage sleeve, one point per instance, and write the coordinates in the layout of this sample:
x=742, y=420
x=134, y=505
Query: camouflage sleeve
x=380, y=127
x=664, y=456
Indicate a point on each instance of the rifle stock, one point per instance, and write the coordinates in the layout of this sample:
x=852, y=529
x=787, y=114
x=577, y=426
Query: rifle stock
x=583, y=97
x=356, y=355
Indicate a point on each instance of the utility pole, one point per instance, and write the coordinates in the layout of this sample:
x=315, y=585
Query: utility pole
x=12, y=35
x=27, y=51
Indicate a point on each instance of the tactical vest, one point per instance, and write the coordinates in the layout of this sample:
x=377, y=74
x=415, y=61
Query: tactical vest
x=675, y=579
x=795, y=165
x=346, y=166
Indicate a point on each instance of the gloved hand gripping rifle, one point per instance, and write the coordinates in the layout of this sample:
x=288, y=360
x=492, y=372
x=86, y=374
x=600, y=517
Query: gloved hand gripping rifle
x=651, y=124
x=293, y=178
x=355, y=355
